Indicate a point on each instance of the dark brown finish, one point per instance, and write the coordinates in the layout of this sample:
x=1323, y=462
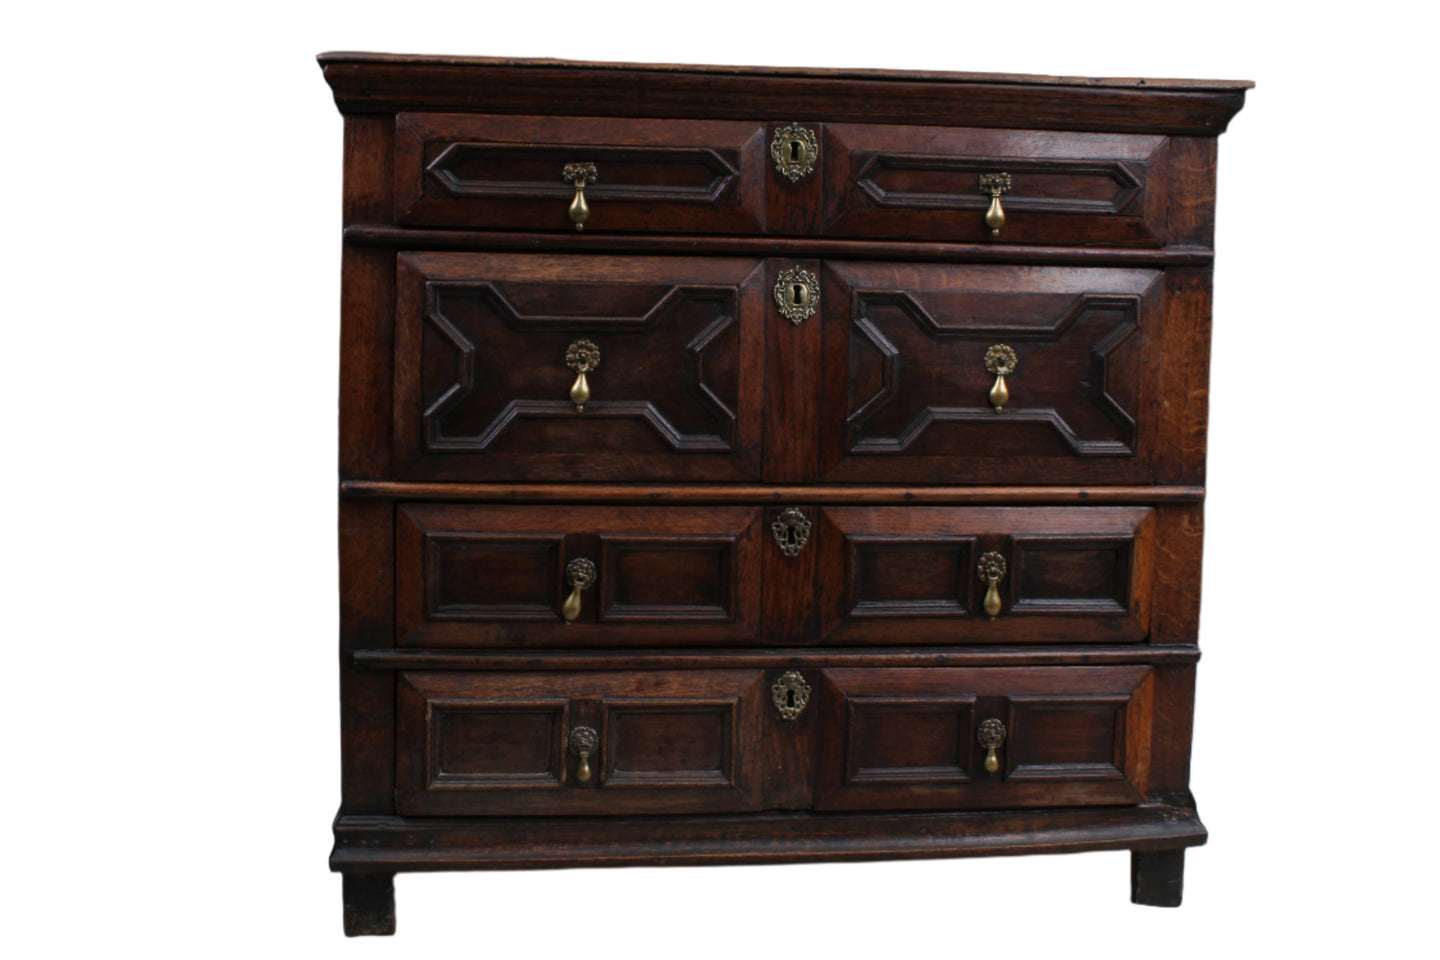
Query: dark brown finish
x=369, y=904
x=740, y=493
x=910, y=183
x=579, y=637
x=387, y=83
x=1157, y=877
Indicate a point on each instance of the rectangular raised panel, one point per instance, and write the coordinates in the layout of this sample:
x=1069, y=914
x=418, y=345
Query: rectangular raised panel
x=482, y=384
x=896, y=575
x=658, y=742
x=922, y=183
x=474, y=743
x=497, y=744
x=470, y=575
x=906, y=388
x=492, y=577
x=648, y=578
x=504, y=172
x=907, y=738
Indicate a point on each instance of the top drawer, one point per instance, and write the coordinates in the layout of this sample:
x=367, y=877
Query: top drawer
x=510, y=173
x=876, y=181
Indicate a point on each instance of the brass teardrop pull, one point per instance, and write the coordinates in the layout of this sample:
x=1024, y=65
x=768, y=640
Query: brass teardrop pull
x=579, y=174
x=993, y=185
x=991, y=571
x=583, y=741
x=991, y=736
x=1001, y=361
x=582, y=357
x=580, y=574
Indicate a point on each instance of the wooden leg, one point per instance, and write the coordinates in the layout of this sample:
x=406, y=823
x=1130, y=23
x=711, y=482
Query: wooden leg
x=1157, y=878
x=369, y=904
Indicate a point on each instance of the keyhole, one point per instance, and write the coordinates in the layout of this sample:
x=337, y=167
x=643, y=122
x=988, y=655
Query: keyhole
x=790, y=698
x=795, y=150
x=797, y=295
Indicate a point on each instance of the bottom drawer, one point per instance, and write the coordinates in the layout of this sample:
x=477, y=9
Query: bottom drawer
x=579, y=743
x=942, y=738
x=721, y=741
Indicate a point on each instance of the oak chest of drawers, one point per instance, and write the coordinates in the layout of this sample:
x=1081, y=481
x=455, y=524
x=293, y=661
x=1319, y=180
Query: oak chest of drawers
x=753, y=465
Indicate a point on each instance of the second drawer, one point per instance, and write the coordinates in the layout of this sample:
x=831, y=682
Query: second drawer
x=695, y=576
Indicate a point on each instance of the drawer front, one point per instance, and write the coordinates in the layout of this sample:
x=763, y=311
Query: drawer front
x=915, y=739
x=511, y=743
x=508, y=173
x=924, y=183
x=489, y=350
x=488, y=576
x=897, y=575
x=912, y=356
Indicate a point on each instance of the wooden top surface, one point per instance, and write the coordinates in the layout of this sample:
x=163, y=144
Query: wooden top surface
x=830, y=73
x=391, y=83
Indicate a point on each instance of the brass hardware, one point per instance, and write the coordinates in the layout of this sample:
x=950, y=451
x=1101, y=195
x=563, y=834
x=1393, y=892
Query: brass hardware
x=994, y=184
x=790, y=693
x=991, y=735
x=1000, y=360
x=797, y=294
x=582, y=357
x=583, y=741
x=579, y=174
x=991, y=570
x=794, y=149
x=580, y=574
x=791, y=529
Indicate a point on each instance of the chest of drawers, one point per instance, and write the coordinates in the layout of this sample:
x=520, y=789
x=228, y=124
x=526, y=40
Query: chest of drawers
x=756, y=465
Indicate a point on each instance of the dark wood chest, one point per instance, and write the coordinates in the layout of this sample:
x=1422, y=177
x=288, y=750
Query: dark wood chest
x=757, y=465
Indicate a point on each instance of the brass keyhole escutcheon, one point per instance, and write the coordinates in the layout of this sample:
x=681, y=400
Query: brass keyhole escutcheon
x=579, y=174
x=581, y=357
x=791, y=529
x=583, y=741
x=797, y=294
x=1001, y=361
x=580, y=574
x=991, y=735
x=991, y=571
x=794, y=150
x=993, y=185
x=790, y=693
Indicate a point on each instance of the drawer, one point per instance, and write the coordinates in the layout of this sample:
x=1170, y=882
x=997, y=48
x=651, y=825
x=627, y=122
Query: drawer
x=489, y=349
x=490, y=576
x=898, y=575
x=508, y=173
x=914, y=739
x=924, y=183
x=914, y=353
x=511, y=743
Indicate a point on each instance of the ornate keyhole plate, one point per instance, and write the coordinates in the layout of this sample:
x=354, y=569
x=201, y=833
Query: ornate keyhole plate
x=790, y=693
x=791, y=529
x=794, y=149
x=797, y=294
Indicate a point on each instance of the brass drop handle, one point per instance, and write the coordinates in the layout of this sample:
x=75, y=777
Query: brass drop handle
x=579, y=174
x=581, y=357
x=991, y=735
x=992, y=185
x=991, y=571
x=1001, y=361
x=580, y=574
x=583, y=741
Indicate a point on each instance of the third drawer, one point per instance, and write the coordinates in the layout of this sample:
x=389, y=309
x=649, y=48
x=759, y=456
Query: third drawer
x=694, y=576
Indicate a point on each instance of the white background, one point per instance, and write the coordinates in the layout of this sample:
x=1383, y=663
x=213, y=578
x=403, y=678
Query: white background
x=170, y=308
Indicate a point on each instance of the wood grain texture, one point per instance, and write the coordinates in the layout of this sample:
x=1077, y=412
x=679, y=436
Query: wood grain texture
x=378, y=83
x=468, y=481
